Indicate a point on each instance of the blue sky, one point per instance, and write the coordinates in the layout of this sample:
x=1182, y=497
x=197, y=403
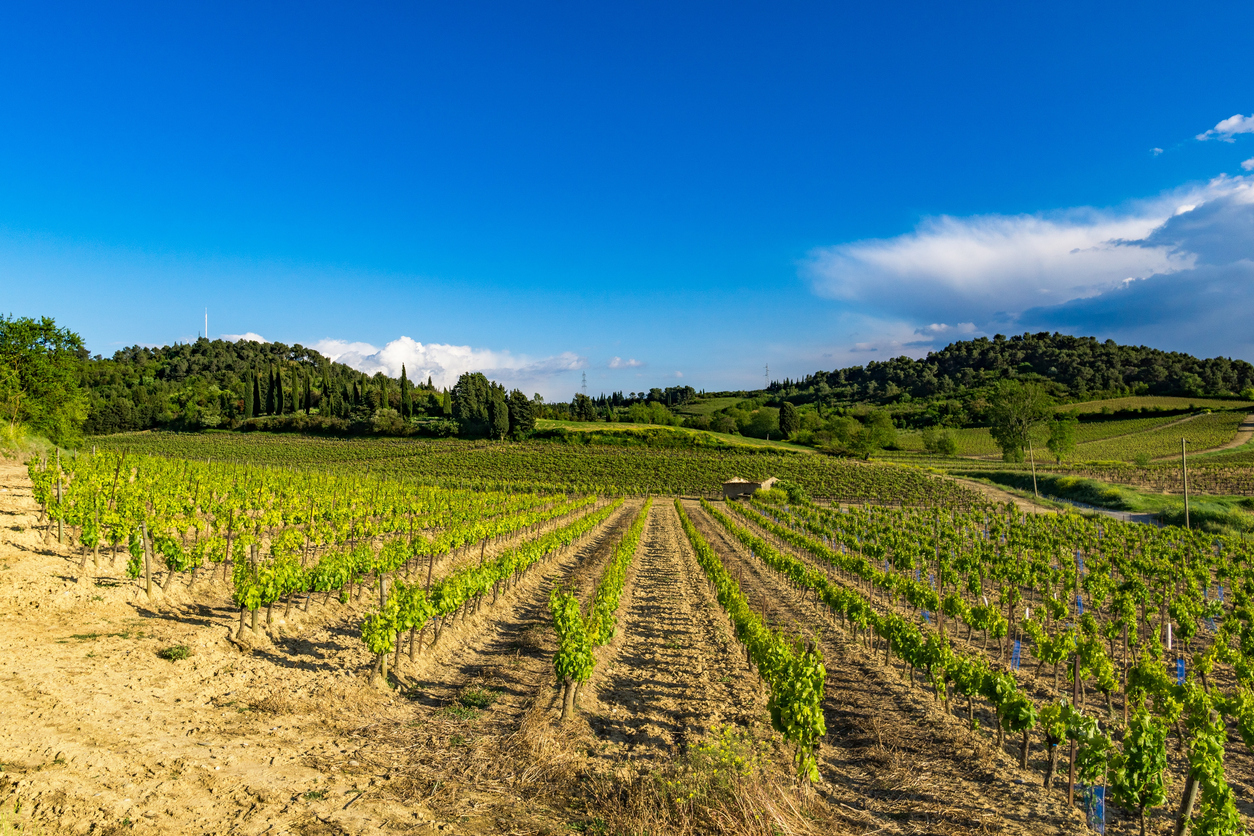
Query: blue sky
x=646, y=193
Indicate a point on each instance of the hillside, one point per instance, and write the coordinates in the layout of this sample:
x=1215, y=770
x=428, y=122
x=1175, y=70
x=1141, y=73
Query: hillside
x=210, y=383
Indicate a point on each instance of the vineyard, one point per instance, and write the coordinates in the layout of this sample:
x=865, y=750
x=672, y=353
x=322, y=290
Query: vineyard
x=497, y=653
x=538, y=466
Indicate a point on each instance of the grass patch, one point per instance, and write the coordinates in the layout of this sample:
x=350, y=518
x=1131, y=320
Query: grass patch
x=477, y=698
x=87, y=637
x=652, y=435
x=315, y=795
x=176, y=653
x=1219, y=514
x=708, y=406
x=459, y=712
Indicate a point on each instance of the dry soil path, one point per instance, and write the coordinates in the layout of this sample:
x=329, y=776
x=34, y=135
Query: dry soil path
x=677, y=672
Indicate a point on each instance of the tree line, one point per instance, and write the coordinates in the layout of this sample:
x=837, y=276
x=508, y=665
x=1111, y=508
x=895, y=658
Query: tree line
x=1069, y=368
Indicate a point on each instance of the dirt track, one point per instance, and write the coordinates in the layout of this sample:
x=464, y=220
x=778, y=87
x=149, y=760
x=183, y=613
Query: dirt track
x=676, y=672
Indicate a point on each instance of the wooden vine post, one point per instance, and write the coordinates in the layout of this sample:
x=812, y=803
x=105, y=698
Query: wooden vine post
x=61, y=513
x=1075, y=699
x=147, y=560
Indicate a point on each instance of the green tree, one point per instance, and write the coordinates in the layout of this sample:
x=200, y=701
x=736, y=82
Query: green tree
x=270, y=390
x=255, y=402
x=498, y=412
x=407, y=410
x=582, y=408
x=875, y=433
x=39, y=365
x=326, y=402
x=789, y=420
x=471, y=395
x=522, y=416
x=1062, y=432
x=940, y=442
x=1016, y=409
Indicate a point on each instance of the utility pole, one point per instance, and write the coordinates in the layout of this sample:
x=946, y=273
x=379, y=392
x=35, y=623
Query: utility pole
x=584, y=385
x=1032, y=458
x=768, y=376
x=1184, y=472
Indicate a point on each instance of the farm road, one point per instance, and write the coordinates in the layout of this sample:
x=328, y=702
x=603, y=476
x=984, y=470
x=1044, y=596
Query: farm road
x=894, y=760
x=674, y=671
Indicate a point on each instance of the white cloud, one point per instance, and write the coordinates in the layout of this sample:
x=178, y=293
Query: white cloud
x=983, y=270
x=1248, y=165
x=938, y=329
x=679, y=374
x=250, y=336
x=445, y=363
x=1229, y=128
x=1156, y=151
x=620, y=363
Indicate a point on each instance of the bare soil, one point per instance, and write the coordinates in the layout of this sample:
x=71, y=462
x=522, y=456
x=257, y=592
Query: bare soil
x=100, y=734
x=281, y=733
x=675, y=672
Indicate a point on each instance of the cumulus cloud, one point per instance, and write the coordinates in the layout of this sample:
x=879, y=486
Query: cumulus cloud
x=938, y=329
x=976, y=269
x=1203, y=310
x=1156, y=151
x=445, y=363
x=248, y=337
x=1248, y=165
x=983, y=272
x=1230, y=127
x=620, y=363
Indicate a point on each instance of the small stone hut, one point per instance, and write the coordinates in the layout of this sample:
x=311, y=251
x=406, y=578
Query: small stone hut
x=738, y=487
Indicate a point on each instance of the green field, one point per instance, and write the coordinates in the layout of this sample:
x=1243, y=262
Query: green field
x=1202, y=432
x=547, y=466
x=707, y=406
x=1155, y=402
x=704, y=437
x=1154, y=437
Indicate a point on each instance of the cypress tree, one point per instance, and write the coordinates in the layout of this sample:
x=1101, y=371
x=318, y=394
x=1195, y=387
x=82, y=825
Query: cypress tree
x=406, y=410
x=248, y=397
x=255, y=400
x=278, y=385
x=325, y=407
x=270, y=393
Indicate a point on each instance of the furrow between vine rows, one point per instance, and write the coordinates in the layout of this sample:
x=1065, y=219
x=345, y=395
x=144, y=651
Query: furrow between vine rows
x=893, y=758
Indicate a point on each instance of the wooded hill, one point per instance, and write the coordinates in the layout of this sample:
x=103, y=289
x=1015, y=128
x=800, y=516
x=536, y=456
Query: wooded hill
x=1072, y=368
x=212, y=383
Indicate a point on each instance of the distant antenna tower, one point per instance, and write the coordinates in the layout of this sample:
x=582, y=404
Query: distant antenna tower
x=584, y=385
x=206, y=323
x=768, y=375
